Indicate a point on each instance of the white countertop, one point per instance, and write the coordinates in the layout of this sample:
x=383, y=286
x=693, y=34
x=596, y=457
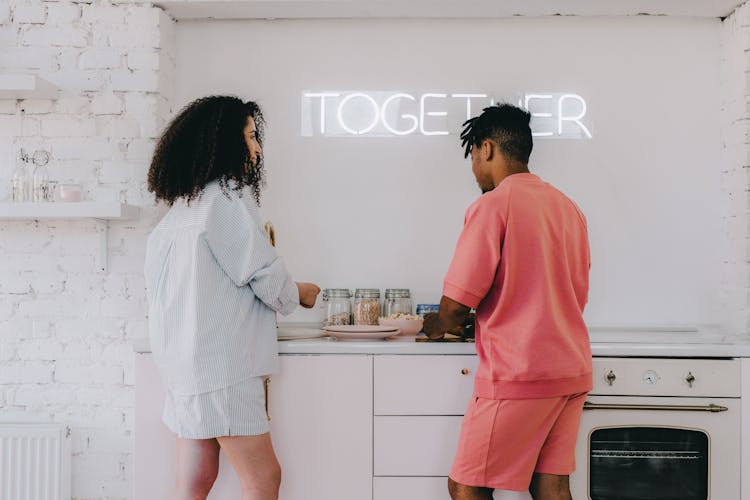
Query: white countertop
x=606, y=341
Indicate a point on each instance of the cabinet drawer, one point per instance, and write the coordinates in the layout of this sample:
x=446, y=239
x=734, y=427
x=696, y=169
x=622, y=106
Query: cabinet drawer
x=410, y=488
x=427, y=488
x=415, y=446
x=424, y=385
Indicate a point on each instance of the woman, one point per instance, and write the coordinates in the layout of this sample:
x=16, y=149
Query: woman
x=214, y=284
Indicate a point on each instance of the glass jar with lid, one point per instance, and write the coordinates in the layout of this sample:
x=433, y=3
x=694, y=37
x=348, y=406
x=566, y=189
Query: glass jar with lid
x=40, y=178
x=21, y=184
x=397, y=300
x=337, y=305
x=366, y=306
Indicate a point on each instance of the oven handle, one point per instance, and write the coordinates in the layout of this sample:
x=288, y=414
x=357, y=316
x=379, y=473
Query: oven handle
x=604, y=406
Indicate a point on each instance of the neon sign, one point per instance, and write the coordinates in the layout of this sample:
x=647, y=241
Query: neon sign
x=395, y=114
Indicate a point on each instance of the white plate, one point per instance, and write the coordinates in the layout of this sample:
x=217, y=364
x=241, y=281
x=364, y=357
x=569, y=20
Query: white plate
x=362, y=335
x=360, y=328
x=283, y=333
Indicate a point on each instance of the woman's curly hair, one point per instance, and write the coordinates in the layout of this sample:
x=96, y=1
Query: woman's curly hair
x=203, y=143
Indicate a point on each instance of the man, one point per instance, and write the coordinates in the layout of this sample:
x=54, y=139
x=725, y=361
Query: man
x=522, y=260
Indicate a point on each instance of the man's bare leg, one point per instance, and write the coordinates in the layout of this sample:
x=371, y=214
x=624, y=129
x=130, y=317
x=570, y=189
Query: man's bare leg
x=550, y=487
x=460, y=491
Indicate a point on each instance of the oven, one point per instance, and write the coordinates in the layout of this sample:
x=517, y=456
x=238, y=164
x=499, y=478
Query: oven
x=660, y=429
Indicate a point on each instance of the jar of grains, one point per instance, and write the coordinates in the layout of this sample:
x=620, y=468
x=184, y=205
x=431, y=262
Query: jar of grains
x=337, y=305
x=366, y=306
x=397, y=300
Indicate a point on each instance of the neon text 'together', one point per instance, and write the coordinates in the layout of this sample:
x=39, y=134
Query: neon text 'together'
x=397, y=114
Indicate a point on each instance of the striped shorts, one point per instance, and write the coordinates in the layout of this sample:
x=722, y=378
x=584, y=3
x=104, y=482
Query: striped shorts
x=238, y=410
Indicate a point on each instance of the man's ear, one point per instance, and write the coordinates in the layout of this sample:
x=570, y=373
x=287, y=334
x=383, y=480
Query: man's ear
x=488, y=149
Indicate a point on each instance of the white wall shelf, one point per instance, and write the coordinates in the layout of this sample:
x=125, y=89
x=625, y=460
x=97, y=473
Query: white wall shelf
x=100, y=211
x=68, y=210
x=26, y=87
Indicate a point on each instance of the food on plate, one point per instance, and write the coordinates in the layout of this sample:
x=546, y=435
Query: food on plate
x=400, y=315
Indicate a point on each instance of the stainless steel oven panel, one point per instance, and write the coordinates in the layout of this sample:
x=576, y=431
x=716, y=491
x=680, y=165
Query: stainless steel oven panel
x=721, y=427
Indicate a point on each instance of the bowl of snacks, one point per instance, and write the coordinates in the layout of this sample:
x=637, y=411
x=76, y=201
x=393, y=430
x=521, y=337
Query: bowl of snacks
x=408, y=324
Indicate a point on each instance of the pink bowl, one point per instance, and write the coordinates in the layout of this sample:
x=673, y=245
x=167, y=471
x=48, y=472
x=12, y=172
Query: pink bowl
x=408, y=327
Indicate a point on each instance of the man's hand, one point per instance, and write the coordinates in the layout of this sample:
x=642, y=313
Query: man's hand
x=431, y=326
x=308, y=293
x=450, y=315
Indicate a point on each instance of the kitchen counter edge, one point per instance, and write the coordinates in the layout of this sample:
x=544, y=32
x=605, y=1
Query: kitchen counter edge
x=741, y=349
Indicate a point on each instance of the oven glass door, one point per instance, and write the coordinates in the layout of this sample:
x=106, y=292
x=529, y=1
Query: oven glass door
x=658, y=448
x=633, y=463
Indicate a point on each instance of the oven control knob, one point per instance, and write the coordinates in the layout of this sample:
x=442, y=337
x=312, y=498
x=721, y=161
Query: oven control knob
x=610, y=377
x=650, y=377
x=690, y=378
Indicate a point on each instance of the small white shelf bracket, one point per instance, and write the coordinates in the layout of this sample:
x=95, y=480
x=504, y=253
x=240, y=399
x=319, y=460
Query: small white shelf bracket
x=102, y=262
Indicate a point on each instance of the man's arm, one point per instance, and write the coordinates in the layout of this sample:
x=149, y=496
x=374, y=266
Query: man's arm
x=450, y=315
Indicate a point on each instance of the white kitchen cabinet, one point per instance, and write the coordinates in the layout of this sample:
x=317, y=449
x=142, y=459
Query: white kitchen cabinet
x=424, y=385
x=419, y=406
x=415, y=446
x=154, y=450
x=410, y=488
x=321, y=426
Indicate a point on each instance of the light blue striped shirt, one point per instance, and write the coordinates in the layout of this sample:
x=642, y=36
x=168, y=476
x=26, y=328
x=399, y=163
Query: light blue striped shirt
x=214, y=283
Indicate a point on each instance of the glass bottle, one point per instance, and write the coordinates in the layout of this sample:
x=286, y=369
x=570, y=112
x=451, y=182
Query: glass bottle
x=21, y=181
x=397, y=300
x=366, y=306
x=40, y=183
x=337, y=305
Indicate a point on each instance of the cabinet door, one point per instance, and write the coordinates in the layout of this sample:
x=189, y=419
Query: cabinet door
x=424, y=385
x=321, y=426
x=155, y=444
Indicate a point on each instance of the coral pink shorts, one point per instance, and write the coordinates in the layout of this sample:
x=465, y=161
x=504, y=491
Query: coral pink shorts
x=503, y=442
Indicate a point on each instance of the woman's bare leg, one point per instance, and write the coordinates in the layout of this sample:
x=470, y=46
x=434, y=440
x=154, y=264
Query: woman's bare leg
x=197, y=468
x=255, y=463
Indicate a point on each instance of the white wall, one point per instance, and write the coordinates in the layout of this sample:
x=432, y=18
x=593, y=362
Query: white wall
x=65, y=329
x=385, y=212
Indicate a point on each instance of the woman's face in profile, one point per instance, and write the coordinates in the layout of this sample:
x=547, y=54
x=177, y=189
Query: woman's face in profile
x=251, y=138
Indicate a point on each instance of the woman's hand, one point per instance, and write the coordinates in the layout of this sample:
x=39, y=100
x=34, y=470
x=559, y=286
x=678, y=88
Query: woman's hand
x=308, y=293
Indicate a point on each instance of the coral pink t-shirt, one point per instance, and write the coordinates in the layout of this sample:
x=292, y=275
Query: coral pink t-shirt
x=523, y=261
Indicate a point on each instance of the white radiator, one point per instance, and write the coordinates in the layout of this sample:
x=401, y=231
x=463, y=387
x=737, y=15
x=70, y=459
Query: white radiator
x=34, y=462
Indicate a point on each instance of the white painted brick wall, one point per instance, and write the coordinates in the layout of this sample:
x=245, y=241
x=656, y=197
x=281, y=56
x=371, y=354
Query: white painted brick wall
x=62, y=13
x=31, y=13
x=65, y=329
x=55, y=36
x=101, y=59
x=43, y=58
x=735, y=168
